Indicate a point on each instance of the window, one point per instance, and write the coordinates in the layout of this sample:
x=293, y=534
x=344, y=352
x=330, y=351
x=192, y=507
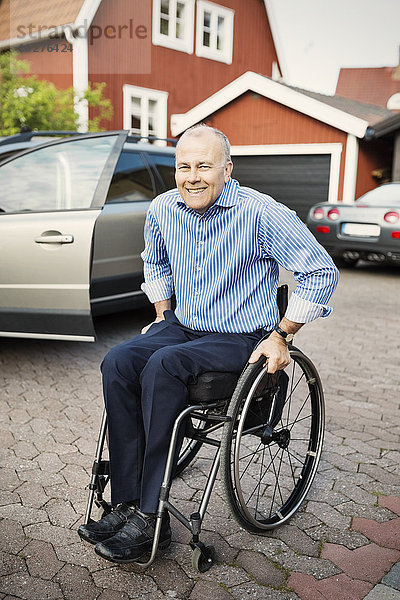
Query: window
x=131, y=181
x=59, y=177
x=214, y=36
x=165, y=164
x=173, y=24
x=145, y=112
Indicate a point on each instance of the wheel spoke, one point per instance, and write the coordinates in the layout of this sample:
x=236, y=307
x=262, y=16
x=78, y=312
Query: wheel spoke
x=267, y=472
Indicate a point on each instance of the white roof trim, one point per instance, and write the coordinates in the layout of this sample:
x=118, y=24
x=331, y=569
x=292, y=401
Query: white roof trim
x=279, y=46
x=84, y=19
x=274, y=91
x=87, y=13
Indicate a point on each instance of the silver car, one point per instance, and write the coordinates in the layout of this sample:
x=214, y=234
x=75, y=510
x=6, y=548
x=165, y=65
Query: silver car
x=369, y=229
x=71, y=231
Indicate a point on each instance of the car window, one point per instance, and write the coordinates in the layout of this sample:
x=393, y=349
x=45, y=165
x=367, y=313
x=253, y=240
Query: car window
x=132, y=181
x=59, y=177
x=165, y=164
x=386, y=194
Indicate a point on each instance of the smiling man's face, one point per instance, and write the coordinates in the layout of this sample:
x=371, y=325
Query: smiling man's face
x=201, y=169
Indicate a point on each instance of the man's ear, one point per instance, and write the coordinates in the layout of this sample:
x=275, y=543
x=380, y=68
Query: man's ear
x=228, y=170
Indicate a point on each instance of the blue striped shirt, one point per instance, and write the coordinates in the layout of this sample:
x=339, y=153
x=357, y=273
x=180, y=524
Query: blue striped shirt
x=223, y=265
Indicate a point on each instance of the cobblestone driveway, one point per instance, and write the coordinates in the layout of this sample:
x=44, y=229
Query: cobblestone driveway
x=344, y=544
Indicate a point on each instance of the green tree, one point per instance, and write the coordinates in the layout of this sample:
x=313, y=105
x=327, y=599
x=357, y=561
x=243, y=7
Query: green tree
x=28, y=101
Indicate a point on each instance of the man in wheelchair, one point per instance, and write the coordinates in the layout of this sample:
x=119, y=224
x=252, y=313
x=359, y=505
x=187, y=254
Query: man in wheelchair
x=217, y=247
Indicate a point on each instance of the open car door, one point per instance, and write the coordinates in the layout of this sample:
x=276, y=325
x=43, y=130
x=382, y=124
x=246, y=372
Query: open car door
x=50, y=198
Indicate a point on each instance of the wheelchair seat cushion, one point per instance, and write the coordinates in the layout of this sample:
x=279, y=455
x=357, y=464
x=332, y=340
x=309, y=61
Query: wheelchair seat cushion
x=212, y=386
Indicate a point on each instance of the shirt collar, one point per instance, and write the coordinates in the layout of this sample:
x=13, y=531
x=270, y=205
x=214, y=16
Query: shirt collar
x=228, y=197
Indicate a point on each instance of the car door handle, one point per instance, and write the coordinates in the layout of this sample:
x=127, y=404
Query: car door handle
x=55, y=239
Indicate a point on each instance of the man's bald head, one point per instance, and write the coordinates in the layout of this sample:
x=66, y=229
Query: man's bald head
x=199, y=130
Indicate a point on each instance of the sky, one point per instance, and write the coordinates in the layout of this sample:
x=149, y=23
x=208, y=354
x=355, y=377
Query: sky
x=320, y=36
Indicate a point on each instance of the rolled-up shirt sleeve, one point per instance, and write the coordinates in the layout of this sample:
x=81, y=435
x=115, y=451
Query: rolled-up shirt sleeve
x=158, y=282
x=285, y=238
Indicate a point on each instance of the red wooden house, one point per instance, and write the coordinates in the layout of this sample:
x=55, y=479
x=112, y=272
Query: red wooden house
x=171, y=63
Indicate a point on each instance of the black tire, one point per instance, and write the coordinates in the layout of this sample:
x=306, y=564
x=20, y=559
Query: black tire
x=269, y=456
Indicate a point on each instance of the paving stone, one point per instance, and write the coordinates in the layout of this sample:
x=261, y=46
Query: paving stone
x=76, y=583
x=390, y=502
x=354, y=492
x=384, y=534
x=8, y=498
x=32, y=495
x=41, y=560
x=112, y=595
x=368, y=563
x=169, y=577
x=26, y=587
x=261, y=569
x=46, y=532
x=9, y=563
x=355, y=509
x=297, y=540
x=382, y=592
x=329, y=515
x=9, y=479
x=81, y=554
x=253, y=591
x=332, y=588
x=392, y=578
x=379, y=474
x=125, y=580
x=207, y=590
x=12, y=537
x=25, y=449
x=350, y=539
x=61, y=513
x=25, y=515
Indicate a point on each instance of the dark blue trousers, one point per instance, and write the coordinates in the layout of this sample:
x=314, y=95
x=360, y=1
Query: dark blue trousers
x=145, y=388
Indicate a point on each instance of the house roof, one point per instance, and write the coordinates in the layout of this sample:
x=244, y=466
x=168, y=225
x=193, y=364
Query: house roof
x=352, y=117
x=371, y=85
x=22, y=21
x=362, y=110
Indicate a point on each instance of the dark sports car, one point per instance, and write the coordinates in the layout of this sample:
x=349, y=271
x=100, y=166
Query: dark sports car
x=369, y=229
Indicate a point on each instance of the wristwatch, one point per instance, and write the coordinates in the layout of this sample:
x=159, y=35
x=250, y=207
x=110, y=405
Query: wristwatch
x=288, y=337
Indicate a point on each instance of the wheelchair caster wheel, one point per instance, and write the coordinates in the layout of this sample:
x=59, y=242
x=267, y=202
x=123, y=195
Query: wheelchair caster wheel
x=203, y=558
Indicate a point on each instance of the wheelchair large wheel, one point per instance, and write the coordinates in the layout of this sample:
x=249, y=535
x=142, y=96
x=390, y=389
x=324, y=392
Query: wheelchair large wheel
x=271, y=449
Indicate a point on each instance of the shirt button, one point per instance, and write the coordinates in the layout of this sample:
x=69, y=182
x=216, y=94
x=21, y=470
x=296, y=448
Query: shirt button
x=194, y=318
x=202, y=242
x=198, y=268
x=197, y=293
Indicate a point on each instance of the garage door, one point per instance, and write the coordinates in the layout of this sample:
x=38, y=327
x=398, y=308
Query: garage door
x=299, y=181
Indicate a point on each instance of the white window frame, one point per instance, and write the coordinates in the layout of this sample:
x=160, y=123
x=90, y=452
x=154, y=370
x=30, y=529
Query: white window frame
x=225, y=54
x=171, y=41
x=146, y=94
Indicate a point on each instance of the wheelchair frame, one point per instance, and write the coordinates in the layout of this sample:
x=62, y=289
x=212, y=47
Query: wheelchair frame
x=259, y=428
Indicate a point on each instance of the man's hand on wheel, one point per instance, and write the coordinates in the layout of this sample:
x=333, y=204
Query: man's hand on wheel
x=276, y=352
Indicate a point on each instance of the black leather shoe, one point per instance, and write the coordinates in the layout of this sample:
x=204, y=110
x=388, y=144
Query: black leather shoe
x=98, y=531
x=134, y=539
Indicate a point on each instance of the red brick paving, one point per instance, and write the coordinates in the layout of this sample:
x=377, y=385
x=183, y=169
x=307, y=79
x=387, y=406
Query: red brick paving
x=390, y=502
x=384, y=534
x=368, y=563
x=338, y=587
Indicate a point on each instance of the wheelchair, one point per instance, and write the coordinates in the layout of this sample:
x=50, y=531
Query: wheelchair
x=268, y=432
